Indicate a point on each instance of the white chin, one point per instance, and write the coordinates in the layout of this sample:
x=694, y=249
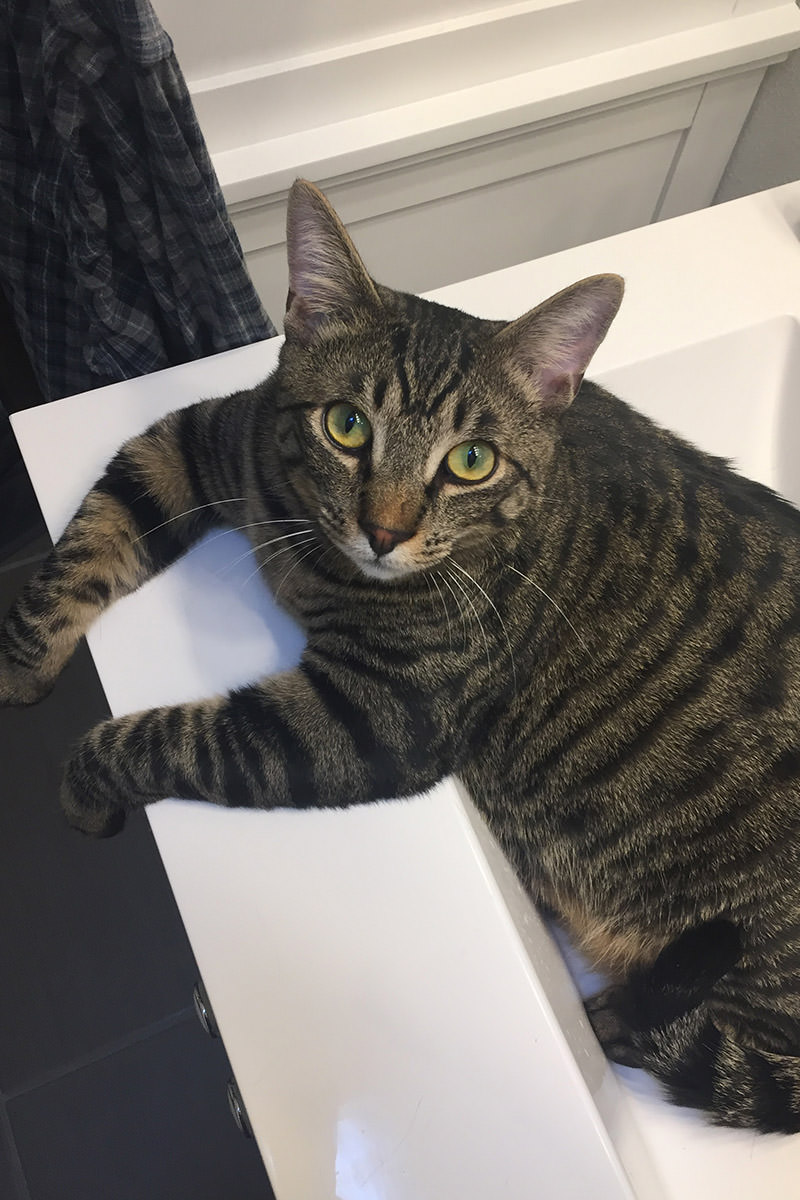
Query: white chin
x=384, y=569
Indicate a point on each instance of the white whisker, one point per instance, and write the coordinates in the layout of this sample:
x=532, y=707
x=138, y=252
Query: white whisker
x=546, y=595
x=229, y=529
x=496, y=611
x=253, y=524
x=444, y=606
x=263, y=545
x=458, y=604
x=468, y=599
x=275, y=553
x=186, y=513
x=295, y=566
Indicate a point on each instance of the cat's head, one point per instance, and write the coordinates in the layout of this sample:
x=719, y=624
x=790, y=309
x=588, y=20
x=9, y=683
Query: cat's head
x=418, y=432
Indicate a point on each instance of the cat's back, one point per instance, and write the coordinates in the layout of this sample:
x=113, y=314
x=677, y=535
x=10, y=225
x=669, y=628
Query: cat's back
x=681, y=582
x=631, y=464
x=662, y=697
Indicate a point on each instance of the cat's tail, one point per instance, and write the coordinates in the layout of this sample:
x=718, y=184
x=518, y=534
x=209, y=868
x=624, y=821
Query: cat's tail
x=705, y=1065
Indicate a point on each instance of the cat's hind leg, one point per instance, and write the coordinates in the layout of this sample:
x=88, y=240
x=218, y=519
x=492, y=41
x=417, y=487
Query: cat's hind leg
x=681, y=978
x=741, y=1071
x=705, y=1064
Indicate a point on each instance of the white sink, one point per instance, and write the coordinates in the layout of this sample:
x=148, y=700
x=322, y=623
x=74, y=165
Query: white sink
x=737, y=395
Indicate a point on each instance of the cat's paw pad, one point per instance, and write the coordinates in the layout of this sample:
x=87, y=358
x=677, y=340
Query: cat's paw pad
x=83, y=801
x=612, y=1030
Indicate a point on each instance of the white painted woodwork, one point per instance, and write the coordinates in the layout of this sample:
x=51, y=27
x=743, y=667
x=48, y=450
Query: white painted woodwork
x=461, y=137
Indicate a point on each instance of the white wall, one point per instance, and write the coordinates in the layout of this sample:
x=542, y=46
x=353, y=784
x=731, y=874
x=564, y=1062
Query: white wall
x=459, y=136
x=768, y=150
x=212, y=38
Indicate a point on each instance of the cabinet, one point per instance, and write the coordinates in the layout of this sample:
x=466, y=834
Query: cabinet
x=458, y=138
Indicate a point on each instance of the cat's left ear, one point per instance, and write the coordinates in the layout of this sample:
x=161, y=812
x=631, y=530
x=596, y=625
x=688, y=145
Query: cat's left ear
x=552, y=345
x=328, y=282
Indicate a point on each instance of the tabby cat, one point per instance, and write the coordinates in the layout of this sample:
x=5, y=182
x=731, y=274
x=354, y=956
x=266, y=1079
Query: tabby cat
x=505, y=573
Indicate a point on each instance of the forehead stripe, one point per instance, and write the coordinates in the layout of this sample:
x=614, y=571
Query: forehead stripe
x=460, y=413
x=400, y=346
x=379, y=393
x=464, y=360
x=443, y=393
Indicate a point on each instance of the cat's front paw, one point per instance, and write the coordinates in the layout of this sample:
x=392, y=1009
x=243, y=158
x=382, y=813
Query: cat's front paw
x=86, y=802
x=21, y=685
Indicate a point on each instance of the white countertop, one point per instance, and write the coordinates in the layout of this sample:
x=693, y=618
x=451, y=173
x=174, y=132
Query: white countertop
x=398, y=1021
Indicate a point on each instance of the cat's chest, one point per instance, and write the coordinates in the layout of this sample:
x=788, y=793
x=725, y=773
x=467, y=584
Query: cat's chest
x=612, y=943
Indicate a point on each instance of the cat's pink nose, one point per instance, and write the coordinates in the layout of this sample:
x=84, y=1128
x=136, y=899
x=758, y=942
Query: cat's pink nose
x=383, y=540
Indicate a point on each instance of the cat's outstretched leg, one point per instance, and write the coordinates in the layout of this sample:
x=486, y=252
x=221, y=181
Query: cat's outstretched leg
x=307, y=738
x=667, y=1021
x=150, y=505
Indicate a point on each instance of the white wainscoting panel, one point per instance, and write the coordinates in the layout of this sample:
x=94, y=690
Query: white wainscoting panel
x=506, y=221
x=460, y=136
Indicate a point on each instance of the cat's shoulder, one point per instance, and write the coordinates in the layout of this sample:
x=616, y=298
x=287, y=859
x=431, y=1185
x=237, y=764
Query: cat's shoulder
x=615, y=441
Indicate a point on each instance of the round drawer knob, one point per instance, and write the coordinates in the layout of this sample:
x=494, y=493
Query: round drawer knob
x=238, y=1110
x=205, y=1013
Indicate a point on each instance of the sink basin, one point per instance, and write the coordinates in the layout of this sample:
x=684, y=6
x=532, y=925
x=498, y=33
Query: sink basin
x=737, y=395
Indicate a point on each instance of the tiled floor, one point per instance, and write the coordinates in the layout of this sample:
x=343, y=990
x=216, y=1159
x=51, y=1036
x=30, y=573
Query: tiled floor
x=109, y=1089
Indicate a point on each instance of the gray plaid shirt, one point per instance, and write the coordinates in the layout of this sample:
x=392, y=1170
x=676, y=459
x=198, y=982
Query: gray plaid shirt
x=116, y=250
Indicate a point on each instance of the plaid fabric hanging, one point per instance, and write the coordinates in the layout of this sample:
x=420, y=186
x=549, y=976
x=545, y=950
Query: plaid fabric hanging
x=116, y=251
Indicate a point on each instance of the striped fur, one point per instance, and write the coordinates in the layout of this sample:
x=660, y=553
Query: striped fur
x=602, y=639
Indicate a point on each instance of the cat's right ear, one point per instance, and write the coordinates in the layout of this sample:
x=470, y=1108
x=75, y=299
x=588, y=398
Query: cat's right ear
x=328, y=282
x=552, y=345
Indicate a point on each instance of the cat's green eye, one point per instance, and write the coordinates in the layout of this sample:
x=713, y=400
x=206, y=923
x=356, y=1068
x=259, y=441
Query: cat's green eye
x=347, y=426
x=471, y=462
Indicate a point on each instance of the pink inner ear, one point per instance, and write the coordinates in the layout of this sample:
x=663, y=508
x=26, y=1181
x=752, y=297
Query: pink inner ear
x=557, y=388
x=300, y=321
x=564, y=337
x=312, y=262
x=572, y=353
x=327, y=279
x=559, y=376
